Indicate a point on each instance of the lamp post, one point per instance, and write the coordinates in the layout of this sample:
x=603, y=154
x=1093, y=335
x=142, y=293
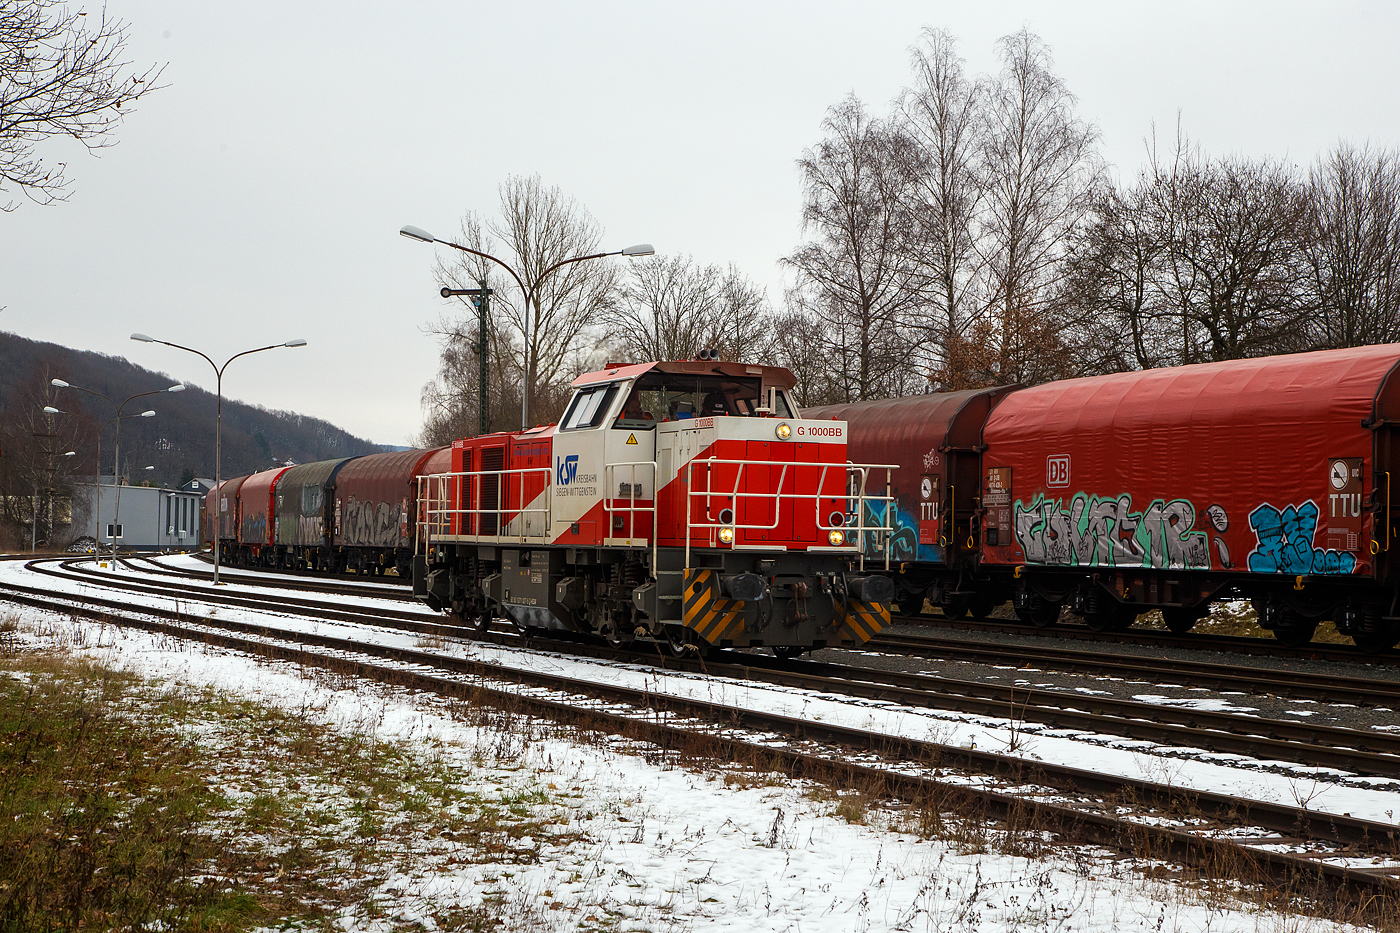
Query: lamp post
x=531, y=293
x=219, y=413
x=116, y=464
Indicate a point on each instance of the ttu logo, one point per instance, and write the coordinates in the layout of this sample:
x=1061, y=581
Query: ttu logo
x=1057, y=470
x=565, y=470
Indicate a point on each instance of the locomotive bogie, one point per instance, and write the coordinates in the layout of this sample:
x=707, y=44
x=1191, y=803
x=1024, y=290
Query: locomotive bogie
x=724, y=599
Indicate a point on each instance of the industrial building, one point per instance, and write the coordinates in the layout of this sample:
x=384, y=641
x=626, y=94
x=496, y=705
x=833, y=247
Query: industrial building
x=148, y=518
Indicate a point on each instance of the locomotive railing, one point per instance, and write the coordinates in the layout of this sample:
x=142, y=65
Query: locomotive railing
x=635, y=490
x=858, y=517
x=443, y=497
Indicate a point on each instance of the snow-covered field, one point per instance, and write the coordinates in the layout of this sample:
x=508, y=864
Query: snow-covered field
x=665, y=847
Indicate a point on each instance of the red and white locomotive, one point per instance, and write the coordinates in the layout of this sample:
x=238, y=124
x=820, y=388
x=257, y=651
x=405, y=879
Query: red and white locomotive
x=686, y=502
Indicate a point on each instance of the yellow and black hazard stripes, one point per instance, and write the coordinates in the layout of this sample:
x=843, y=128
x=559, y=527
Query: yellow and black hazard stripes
x=860, y=621
x=713, y=617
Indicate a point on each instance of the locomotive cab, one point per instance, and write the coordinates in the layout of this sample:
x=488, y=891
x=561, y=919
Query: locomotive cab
x=680, y=501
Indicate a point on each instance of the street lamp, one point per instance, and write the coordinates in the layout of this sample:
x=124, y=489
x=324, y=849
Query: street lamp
x=531, y=294
x=219, y=412
x=116, y=465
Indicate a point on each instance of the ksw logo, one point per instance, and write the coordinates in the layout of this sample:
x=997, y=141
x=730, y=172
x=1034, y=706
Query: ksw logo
x=565, y=470
x=1057, y=470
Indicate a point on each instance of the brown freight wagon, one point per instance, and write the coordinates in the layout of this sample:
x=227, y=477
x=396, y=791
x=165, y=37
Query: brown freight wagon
x=372, y=527
x=937, y=442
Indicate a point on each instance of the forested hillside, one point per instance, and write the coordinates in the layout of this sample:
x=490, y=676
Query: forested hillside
x=178, y=441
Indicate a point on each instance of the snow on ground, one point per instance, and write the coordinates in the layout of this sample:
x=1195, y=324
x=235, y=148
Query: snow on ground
x=666, y=848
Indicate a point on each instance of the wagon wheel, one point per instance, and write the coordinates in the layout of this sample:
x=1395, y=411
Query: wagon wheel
x=1041, y=613
x=911, y=605
x=979, y=607
x=955, y=609
x=1375, y=642
x=1181, y=619
x=1294, y=630
x=1111, y=617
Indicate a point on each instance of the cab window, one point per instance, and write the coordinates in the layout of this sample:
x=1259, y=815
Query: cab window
x=589, y=407
x=659, y=397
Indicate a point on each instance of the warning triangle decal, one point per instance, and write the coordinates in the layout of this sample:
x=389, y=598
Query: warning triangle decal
x=631, y=438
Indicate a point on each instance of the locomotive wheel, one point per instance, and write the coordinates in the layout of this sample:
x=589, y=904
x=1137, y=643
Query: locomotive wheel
x=911, y=605
x=615, y=635
x=1180, y=619
x=680, y=641
x=788, y=652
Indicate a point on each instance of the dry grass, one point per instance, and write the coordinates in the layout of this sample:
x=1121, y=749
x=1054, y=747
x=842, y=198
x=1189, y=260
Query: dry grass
x=125, y=804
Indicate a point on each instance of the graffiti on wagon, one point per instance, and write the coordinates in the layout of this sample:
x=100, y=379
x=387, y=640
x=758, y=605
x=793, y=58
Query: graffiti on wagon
x=1107, y=532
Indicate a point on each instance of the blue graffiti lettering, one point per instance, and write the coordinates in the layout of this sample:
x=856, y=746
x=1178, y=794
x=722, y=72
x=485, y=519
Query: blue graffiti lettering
x=1284, y=543
x=565, y=470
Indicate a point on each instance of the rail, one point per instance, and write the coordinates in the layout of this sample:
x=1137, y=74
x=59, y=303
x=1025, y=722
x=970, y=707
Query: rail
x=855, y=523
x=443, y=497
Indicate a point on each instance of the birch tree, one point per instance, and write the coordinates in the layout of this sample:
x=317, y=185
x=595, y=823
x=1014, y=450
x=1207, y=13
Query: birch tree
x=1038, y=166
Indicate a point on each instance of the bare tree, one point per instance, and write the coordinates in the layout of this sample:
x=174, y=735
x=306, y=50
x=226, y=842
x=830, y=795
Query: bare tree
x=942, y=117
x=538, y=228
x=36, y=479
x=856, y=275
x=451, y=400
x=62, y=73
x=1233, y=259
x=799, y=342
x=1111, y=284
x=1038, y=168
x=663, y=309
x=671, y=308
x=1353, y=247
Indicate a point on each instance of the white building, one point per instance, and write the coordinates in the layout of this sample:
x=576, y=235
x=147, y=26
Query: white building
x=151, y=518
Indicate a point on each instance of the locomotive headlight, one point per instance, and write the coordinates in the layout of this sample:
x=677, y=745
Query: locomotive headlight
x=726, y=536
x=784, y=431
x=837, y=538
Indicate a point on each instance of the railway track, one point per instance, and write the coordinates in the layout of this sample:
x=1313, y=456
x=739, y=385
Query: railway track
x=1364, y=753
x=1299, y=685
x=1194, y=827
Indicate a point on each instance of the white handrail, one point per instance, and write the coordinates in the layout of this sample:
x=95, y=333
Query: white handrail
x=435, y=515
x=855, y=493
x=610, y=483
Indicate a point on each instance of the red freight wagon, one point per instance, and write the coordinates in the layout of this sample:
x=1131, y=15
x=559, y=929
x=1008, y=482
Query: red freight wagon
x=1266, y=478
x=255, y=513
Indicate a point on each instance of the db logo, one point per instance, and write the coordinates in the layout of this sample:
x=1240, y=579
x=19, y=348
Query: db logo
x=1057, y=470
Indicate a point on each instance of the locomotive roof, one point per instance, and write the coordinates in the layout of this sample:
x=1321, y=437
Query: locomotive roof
x=771, y=375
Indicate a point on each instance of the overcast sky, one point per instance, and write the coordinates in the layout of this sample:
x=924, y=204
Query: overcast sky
x=257, y=198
